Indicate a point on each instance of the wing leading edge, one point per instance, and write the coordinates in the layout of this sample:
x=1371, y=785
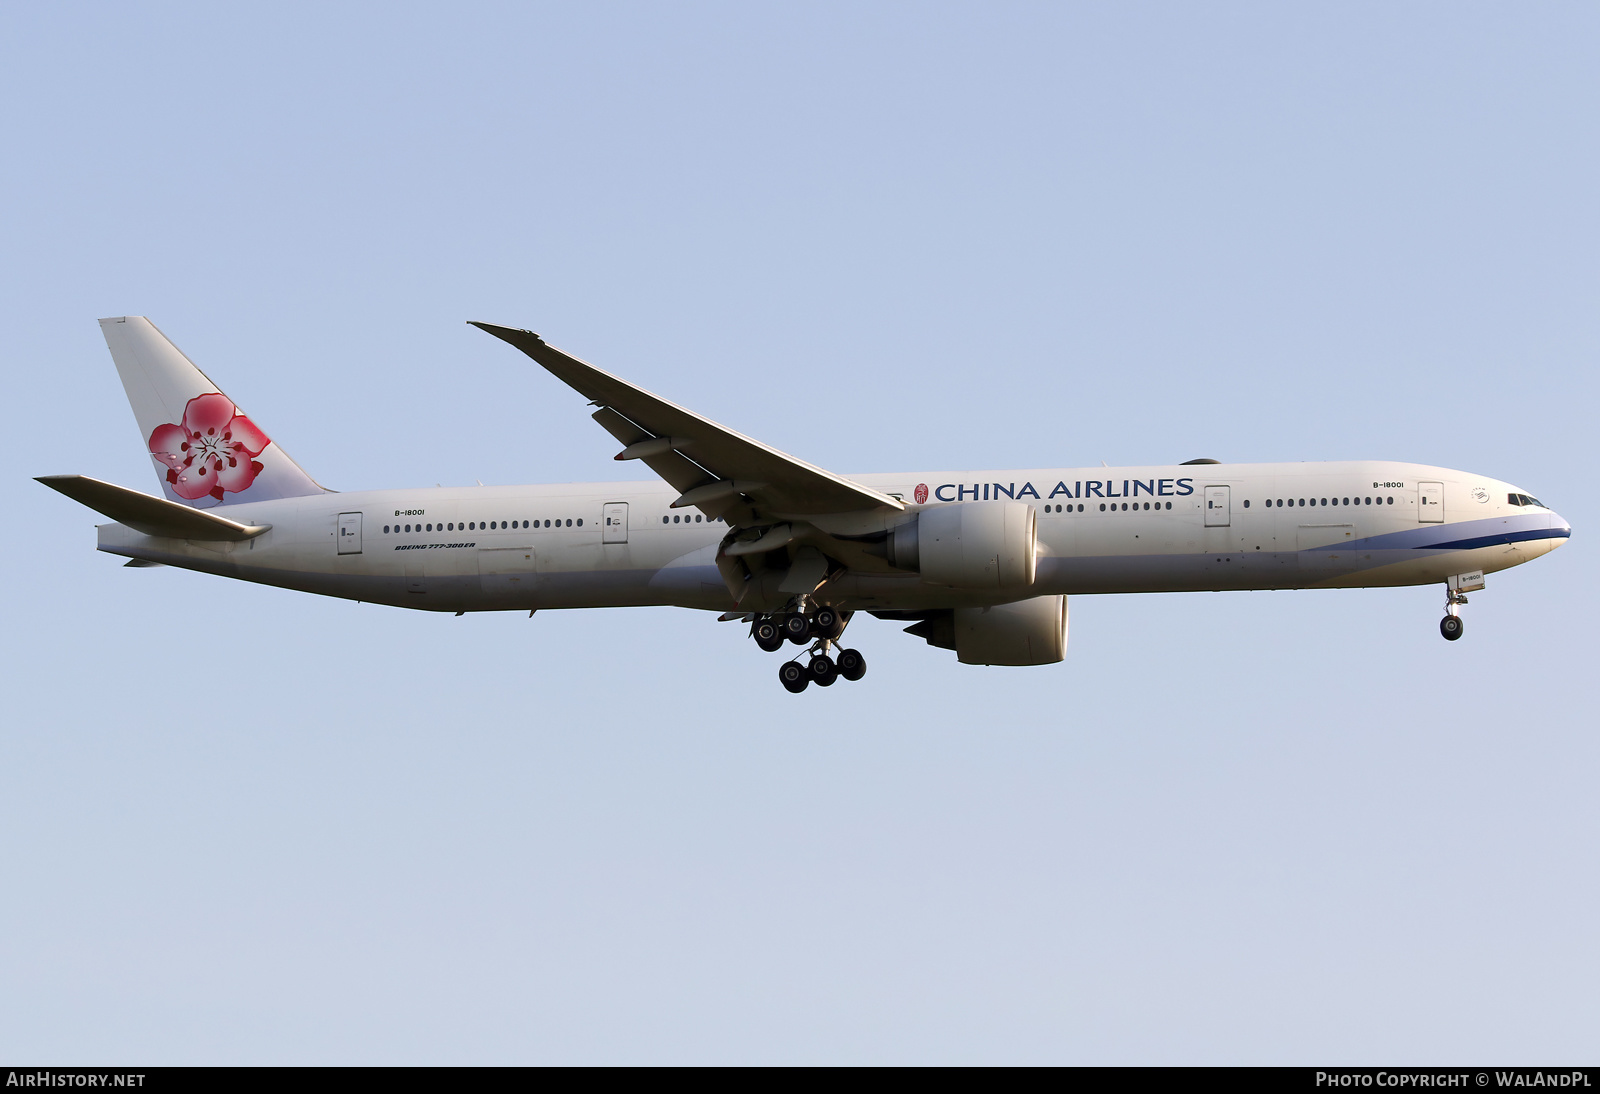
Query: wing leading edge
x=711, y=466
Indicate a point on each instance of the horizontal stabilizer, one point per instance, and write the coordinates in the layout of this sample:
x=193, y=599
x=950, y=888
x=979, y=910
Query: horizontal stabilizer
x=152, y=516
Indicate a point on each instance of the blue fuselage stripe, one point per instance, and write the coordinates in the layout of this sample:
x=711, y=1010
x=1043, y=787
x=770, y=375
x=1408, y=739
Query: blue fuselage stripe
x=1497, y=539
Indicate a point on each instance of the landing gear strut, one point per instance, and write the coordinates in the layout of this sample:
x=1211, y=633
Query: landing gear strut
x=1451, y=625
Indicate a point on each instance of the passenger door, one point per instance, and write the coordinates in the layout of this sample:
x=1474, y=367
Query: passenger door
x=349, y=535
x=1217, y=513
x=1430, y=502
x=616, y=522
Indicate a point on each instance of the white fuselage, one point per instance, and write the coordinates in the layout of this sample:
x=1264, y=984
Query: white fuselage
x=1100, y=530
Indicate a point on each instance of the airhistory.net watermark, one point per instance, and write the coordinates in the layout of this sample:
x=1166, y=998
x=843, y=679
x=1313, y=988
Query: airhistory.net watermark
x=48, y=1078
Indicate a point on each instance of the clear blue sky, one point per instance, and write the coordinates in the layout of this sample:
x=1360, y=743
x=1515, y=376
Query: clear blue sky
x=245, y=825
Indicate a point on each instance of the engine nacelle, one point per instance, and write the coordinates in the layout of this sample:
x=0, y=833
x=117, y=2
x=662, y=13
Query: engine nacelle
x=1029, y=632
x=970, y=545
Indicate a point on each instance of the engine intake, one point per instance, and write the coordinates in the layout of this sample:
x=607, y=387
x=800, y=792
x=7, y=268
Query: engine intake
x=970, y=545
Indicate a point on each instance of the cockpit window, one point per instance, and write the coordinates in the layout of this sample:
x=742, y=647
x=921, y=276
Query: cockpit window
x=1525, y=499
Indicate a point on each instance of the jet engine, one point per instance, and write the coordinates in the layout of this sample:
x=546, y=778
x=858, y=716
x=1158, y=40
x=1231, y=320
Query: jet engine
x=969, y=545
x=1028, y=632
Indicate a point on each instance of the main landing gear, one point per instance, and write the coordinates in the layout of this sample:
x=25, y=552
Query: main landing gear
x=1451, y=625
x=821, y=628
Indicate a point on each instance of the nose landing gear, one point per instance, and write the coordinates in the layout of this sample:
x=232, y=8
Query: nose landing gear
x=1451, y=625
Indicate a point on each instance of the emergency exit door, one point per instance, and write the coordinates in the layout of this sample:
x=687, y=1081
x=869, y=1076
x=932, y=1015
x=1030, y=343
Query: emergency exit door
x=1430, y=502
x=616, y=522
x=349, y=537
x=1216, y=502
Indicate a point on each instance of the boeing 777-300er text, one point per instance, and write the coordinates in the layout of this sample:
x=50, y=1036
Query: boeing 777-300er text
x=979, y=562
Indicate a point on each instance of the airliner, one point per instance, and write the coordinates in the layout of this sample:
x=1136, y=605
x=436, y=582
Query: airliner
x=978, y=562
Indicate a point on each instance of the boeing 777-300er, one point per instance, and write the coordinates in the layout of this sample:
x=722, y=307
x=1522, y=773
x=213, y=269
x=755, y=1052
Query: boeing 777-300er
x=979, y=562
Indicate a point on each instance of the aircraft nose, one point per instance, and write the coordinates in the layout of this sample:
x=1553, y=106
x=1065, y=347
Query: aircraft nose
x=1560, y=530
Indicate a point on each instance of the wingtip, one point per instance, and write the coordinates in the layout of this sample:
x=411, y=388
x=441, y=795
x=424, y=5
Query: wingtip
x=506, y=333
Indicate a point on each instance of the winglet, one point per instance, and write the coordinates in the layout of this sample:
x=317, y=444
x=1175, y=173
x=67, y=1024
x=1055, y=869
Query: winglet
x=519, y=338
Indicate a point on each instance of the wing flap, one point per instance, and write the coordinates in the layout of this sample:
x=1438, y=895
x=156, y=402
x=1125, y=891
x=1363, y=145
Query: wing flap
x=149, y=515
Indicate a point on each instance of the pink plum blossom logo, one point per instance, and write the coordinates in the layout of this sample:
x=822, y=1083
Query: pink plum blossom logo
x=921, y=493
x=213, y=452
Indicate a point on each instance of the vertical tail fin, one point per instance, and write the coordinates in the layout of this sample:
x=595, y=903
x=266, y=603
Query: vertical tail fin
x=206, y=451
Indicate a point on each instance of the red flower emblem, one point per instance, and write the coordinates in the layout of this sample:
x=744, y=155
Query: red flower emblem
x=212, y=452
x=921, y=493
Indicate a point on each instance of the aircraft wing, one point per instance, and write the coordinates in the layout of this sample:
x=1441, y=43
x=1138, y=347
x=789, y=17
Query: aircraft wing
x=719, y=471
x=150, y=515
